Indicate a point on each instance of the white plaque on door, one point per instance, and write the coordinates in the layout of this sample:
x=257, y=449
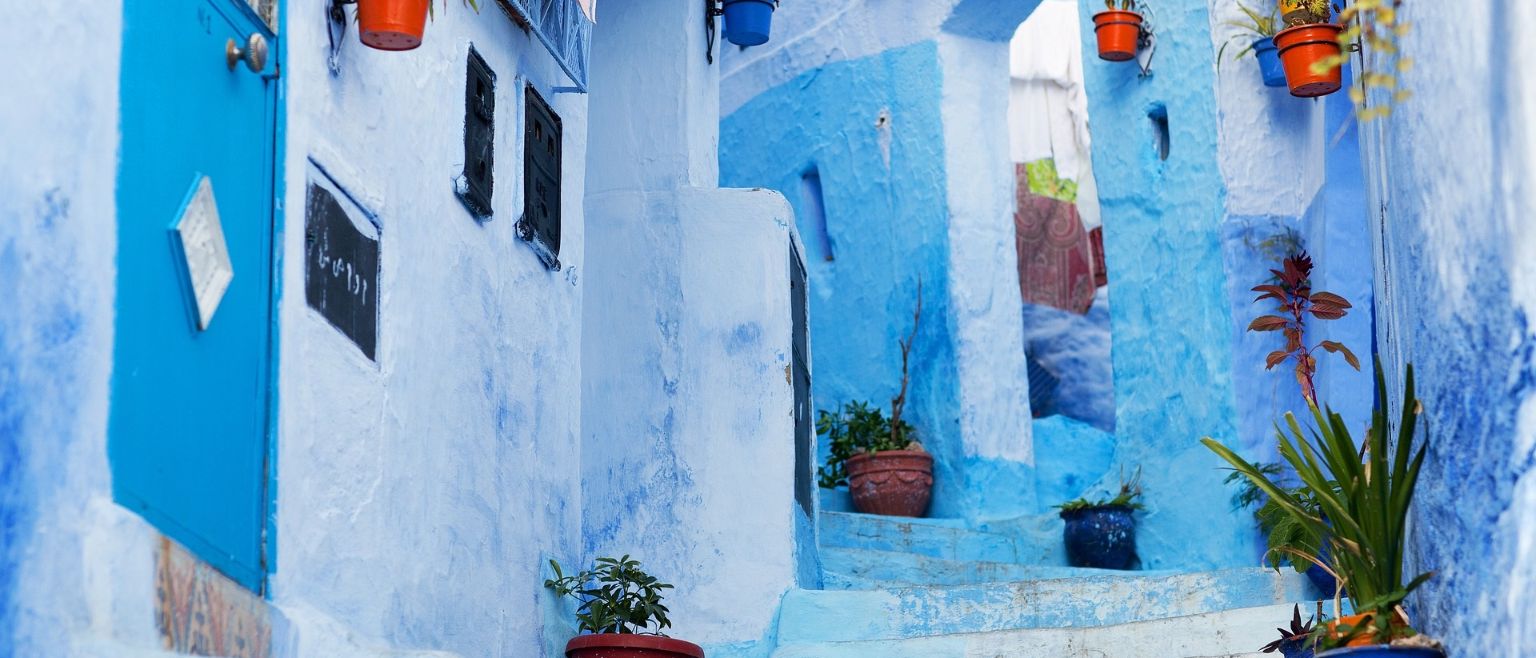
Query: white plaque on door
x=201, y=238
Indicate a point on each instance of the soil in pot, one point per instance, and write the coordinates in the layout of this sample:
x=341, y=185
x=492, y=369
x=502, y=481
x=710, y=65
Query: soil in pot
x=392, y=24
x=629, y=645
x=1118, y=33
x=1100, y=537
x=891, y=482
x=1300, y=47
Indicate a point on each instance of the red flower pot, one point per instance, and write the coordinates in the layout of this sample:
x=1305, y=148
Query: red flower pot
x=392, y=24
x=1302, y=45
x=629, y=645
x=1118, y=33
x=891, y=482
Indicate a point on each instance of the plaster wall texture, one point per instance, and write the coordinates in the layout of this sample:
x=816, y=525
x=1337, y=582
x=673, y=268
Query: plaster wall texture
x=1291, y=168
x=419, y=496
x=1170, y=317
x=687, y=425
x=903, y=132
x=871, y=131
x=75, y=570
x=1450, y=171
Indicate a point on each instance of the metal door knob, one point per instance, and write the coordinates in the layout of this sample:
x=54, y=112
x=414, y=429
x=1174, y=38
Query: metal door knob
x=254, y=53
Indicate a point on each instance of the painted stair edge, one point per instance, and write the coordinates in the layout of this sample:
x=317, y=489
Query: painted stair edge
x=809, y=616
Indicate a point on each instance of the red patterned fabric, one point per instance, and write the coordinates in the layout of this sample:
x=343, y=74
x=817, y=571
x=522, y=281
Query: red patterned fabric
x=1056, y=265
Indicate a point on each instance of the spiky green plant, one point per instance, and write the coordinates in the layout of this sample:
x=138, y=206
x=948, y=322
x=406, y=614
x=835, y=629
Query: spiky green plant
x=1255, y=25
x=1362, y=492
x=1124, y=5
x=1304, y=12
x=1130, y=492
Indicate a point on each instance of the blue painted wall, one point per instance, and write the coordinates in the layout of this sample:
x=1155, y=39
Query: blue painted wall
x=1169, y=312
x=870, y=128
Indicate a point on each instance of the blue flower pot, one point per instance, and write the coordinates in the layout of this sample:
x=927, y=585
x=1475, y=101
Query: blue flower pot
x=1381, y=651
x=1269, y=62
x=1100, y=537
x=1297, y=649
x=747, y=22
x=1325, y=582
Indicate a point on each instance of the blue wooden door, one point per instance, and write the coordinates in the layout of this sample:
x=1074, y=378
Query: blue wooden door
x=191, y=383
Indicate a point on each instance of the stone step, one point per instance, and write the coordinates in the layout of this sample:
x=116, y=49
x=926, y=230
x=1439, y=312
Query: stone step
x=1103, y=599
x=1233, y=633
x=946, y=539
x=855, y=568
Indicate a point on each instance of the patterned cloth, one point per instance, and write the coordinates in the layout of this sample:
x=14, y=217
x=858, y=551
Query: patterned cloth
x=1056, y=263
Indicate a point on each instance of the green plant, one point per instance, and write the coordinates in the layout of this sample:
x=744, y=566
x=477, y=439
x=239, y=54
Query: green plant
x=1283, y=535
x=1306, y=12
x=1124, y=5
x=1255, y=26
x=1293, y=291
x=615, y=596
x=856, y=428
x=1130, y=491
x=1362, y=495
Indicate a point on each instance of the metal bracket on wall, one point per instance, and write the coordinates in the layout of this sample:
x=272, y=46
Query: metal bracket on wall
x=712, y=10
x=1146, y=42
x=336, y=29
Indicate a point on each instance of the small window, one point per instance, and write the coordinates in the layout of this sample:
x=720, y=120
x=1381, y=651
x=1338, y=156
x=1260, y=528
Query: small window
x=540, y=224
x=1159, y=118
x=475, y=185
x=816, y=211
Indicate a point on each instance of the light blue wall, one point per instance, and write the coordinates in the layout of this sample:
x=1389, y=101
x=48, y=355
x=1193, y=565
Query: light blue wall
x=1456, y=300
x=1169, y=305
x=883, y=188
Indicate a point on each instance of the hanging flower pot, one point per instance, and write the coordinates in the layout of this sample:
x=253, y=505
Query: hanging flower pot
x=1303, y=45
x=747, y=22
x=891, y=482
x=392, y=24
x=1270, y=68
x=1118, y=32
x=630, y=645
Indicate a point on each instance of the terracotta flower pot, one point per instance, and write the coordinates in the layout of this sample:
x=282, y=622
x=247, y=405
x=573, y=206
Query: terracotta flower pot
x=629, y=645
x=1362, y=640
x=1118, y=33
x=891, y=482
x=392, y=24
x=1302, y=45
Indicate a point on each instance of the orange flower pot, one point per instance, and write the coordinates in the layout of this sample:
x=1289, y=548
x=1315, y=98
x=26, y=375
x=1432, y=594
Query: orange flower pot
x=1118, y=33
x=1302, y=45
x=392, y=24
x=1354, y=621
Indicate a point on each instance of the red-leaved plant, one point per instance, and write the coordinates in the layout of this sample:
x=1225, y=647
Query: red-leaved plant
x=1296, y=299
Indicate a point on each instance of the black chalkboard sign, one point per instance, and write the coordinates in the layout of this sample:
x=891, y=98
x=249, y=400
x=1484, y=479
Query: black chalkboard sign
x=341, y=269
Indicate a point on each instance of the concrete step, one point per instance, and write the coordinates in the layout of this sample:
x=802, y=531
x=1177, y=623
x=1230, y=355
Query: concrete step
x=1101, y=599
x=1234, y=633
x=946, y=539
x=854, y=568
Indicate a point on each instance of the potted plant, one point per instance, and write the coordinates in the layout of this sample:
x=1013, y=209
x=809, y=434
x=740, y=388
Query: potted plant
x=620, y=612
x=1292, y=290
x=1257, y=31
x=886, y=469
x=748, y=22
x=1309, y=47
x=1297, y=642
x=1102, y=533
x=395, y=24
x=1363, y=493
x=1118, y=29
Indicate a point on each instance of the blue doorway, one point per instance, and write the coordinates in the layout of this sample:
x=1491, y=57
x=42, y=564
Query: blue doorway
x=191, y=423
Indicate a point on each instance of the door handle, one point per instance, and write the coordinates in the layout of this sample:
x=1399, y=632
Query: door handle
x=254, y=53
